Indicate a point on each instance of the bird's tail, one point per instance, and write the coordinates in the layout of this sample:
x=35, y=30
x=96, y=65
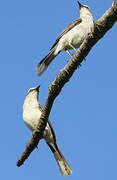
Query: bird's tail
x=44, y=63
x=62, y=163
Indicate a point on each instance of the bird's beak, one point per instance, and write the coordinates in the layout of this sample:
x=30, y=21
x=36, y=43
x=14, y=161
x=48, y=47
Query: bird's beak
x=37, y=88
x=80, y=5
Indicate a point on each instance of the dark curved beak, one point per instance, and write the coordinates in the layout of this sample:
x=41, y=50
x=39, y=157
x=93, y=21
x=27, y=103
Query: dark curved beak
x=37, y=88
x=80, y=5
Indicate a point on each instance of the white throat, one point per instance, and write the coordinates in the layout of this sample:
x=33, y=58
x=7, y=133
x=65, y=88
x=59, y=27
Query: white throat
x=31, y=99
x=85, y=15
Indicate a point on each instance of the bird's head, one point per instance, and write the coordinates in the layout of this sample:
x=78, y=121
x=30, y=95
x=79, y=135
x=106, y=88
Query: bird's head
x=84, y=10
x=34, y=90
x=82, y=6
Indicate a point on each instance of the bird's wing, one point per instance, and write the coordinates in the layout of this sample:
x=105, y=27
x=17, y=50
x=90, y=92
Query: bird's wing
x=68, y=28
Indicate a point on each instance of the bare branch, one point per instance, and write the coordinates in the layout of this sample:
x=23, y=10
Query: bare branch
x=102, y=25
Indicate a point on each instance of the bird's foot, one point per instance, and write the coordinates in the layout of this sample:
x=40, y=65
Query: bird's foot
x=90, y=35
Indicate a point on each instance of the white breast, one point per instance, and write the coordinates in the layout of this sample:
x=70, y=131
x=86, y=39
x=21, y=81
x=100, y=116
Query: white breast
x=75, y=36
x=31, y=116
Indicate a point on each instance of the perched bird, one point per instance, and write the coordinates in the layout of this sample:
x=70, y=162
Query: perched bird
x=31, y=114
x=71, y=37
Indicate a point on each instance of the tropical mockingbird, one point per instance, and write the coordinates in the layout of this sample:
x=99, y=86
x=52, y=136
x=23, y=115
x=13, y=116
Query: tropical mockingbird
x=31, y=114
x=71, y=37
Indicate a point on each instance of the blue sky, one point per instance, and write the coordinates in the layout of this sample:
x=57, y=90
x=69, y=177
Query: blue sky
x=84, y=115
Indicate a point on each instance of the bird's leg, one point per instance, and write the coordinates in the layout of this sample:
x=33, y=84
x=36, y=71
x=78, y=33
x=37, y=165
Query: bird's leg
x=68, y=52
x=72, y=47
x=74, y=50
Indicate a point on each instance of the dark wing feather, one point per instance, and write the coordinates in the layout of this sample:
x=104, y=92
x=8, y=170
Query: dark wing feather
x=68, y=28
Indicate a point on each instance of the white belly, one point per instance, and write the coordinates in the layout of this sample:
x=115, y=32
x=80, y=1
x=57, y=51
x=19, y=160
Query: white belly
x=75, y=36
x=31, y=117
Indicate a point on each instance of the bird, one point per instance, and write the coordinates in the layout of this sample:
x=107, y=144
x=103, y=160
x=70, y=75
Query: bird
x=70, y=38
x=32, y=111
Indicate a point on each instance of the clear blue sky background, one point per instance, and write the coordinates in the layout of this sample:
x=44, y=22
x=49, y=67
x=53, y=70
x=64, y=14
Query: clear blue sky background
x=84, y=115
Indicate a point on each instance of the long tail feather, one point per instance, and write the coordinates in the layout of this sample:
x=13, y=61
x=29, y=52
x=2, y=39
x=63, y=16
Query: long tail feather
x=62, y=163
x=44, y=63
